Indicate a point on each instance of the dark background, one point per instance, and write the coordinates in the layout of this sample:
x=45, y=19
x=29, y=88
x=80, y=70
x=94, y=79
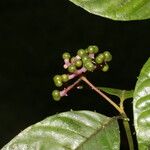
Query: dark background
x=33, y=36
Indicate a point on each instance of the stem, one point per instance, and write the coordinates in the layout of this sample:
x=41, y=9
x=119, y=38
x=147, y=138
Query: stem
x=102, y=94
x=119, y=109
x=126, y=122
x=128, y=132
x=77, y=73
x=65, y=91
x=122, y=100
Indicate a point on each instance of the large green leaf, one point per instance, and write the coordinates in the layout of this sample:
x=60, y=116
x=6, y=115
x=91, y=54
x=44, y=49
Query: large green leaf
x=73, y=130
x=117, y=9
x=122, y=94
x=141, y=107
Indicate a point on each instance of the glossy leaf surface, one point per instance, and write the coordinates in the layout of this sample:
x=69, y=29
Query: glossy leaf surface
x=74, y=130
x=141, y=107
x=117, y=9
x=122, y=94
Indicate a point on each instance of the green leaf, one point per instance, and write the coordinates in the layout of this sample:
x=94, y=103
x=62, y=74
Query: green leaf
x=141, y=108
x=117, y=9
x=122, y=94
x=73, y=130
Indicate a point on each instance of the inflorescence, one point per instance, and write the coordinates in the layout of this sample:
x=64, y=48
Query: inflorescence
x=86, y=60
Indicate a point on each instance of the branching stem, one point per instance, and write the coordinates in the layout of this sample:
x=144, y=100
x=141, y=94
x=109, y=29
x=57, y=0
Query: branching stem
x=119, y=109
x=66, y=90
x=102, y=94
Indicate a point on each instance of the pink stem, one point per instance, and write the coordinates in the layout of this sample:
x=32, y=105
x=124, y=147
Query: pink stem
x=65, y=91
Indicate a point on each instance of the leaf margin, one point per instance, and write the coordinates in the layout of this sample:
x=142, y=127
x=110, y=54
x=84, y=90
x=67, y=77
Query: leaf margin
x=121, y=15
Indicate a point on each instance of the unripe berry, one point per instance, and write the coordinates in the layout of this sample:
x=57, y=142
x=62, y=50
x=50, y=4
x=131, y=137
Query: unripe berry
x=65, y=77
x=100, y=58
x=105, y=68
x=66, y=55
x=89, y=66
x=72, y=68
x=56, y=95
x=93, y=49
x=81, y=52
x=58, y=80
x=108, y=56
x=78, y=63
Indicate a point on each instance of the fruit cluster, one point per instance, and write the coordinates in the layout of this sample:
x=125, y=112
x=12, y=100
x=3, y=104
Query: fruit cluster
x=86, y=60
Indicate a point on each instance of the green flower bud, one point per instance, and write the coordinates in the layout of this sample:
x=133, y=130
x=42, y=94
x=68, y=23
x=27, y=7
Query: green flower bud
x=105, y=68
x=58, y=83
x=93, y=49
x=57, y=78
x=72, y=68
x=86, y=58
x=65, y=77
x=100, y=58
x=89, y=65
x=86, y=51
x=66, y=55
x=81, y=52
x=73, y=59
x=108, y=56
x=56, y=95
x=78, y=63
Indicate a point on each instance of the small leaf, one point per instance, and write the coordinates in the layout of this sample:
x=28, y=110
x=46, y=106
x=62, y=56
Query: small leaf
x=117, y=9
x=141, y=108
x=122, y=94
x=74, y=130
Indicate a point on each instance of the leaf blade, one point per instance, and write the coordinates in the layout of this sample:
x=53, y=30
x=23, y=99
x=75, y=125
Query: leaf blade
x=141, y=107
x=125, y=94
x=73, y=130
x=117, y=9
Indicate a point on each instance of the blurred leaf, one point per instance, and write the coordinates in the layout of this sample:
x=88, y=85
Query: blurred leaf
x=73, y=130
x=122, y=94
x=117, y=9
x=141, y=107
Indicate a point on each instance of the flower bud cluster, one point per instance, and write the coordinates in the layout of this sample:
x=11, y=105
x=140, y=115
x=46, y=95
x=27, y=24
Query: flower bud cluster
x=86, y=60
